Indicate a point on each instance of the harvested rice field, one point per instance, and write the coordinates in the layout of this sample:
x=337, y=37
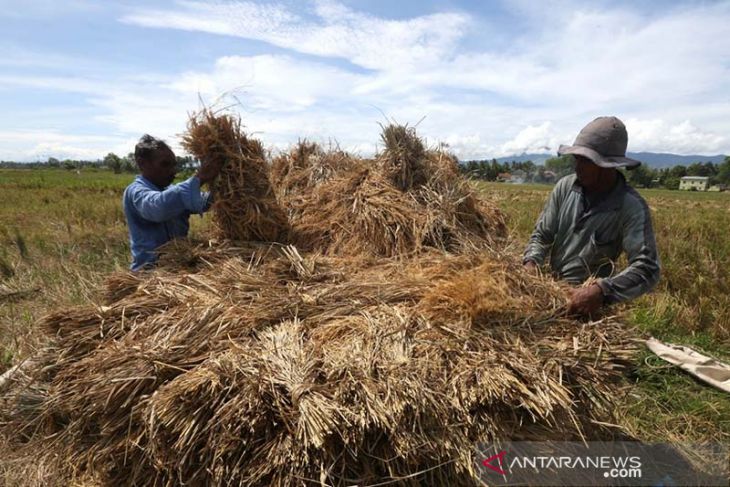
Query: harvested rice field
x=334, y=320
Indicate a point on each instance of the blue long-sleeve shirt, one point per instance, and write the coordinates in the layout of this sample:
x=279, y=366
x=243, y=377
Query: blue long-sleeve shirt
x=156, y=216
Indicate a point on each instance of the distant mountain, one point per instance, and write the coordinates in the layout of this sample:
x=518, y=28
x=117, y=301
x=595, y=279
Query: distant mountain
x=658, y=159
x=651, y=159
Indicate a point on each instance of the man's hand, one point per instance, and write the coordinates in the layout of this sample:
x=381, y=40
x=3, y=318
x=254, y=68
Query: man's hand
x=209, y=169
x=531, y=267
x=585, y=301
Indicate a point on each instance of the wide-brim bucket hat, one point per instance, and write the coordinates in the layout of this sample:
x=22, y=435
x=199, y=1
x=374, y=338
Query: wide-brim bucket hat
x=604, y=142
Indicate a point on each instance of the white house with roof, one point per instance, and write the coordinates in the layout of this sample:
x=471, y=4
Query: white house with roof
x=694, y=183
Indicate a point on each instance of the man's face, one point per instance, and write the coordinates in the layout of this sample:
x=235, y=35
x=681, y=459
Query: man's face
x=587, y=172
x=160, y=169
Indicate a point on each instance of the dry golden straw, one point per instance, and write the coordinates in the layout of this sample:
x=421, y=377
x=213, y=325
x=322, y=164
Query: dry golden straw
x=244, y=205
x=261, y=366
x=305, y=166
x=407, y=199
x=394, y=337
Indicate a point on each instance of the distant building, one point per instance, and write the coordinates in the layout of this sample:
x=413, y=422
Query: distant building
x=717, y=187
x=504, y=176
x=694, y=183
x=518, y=177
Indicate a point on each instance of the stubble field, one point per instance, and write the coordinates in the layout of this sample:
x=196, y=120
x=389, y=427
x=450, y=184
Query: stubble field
x=62, y=233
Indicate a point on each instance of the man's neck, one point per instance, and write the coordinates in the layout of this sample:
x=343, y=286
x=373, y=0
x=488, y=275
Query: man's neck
x=157, y=186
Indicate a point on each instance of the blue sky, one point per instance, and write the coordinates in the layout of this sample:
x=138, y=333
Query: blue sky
x=81, y=78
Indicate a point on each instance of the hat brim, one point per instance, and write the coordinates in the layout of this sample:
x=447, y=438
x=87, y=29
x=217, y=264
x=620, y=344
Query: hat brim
x=598, y=159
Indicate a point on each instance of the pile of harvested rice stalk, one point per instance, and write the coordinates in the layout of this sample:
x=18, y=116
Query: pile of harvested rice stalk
x=258, y=366
x=454, y=218
x=408, y=164
x=406, y=200
x=359, y=212
x=305, y=166
x=244, y=204
x=443, y=167
x=248, y=363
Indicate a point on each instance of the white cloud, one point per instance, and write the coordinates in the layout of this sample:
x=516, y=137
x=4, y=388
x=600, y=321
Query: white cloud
x=270, y=82
x=533, y=138
x=37, y=145
x=337, y=31
x=229, y=18
x=586, y=63
x=682, y=138
x=666, y=74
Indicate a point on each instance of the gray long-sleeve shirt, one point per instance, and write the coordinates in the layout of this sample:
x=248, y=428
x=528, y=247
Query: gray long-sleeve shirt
x=586, y=241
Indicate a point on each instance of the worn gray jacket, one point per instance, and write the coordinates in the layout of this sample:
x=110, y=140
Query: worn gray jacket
x=584, y=243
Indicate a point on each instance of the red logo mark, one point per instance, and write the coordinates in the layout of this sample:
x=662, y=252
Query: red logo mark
x=499, y=456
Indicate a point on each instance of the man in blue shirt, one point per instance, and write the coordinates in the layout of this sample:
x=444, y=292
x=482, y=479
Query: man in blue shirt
x=157, y=210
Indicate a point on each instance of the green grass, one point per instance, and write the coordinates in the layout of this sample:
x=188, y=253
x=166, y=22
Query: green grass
x=63, y=232
x=91, y=179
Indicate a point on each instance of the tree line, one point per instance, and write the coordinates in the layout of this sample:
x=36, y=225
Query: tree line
x=491, y=170
x=557, y=167
x=669, y=177
x=487, y=169
x=127, y=163
x=112, y=162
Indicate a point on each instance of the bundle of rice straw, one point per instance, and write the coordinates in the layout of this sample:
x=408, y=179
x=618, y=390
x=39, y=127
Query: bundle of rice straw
x=305, y=166
x=403, y=156
x=356, y=213
x=406, y=200
x=257, y=366
x=244, y=204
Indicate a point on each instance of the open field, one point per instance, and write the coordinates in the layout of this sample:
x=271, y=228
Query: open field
x=61, y=233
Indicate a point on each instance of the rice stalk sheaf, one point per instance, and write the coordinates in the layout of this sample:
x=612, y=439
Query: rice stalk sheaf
x=355, y=323
x=244, y=204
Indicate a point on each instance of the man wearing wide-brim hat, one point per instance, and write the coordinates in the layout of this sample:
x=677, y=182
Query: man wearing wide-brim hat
x=593, y=216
